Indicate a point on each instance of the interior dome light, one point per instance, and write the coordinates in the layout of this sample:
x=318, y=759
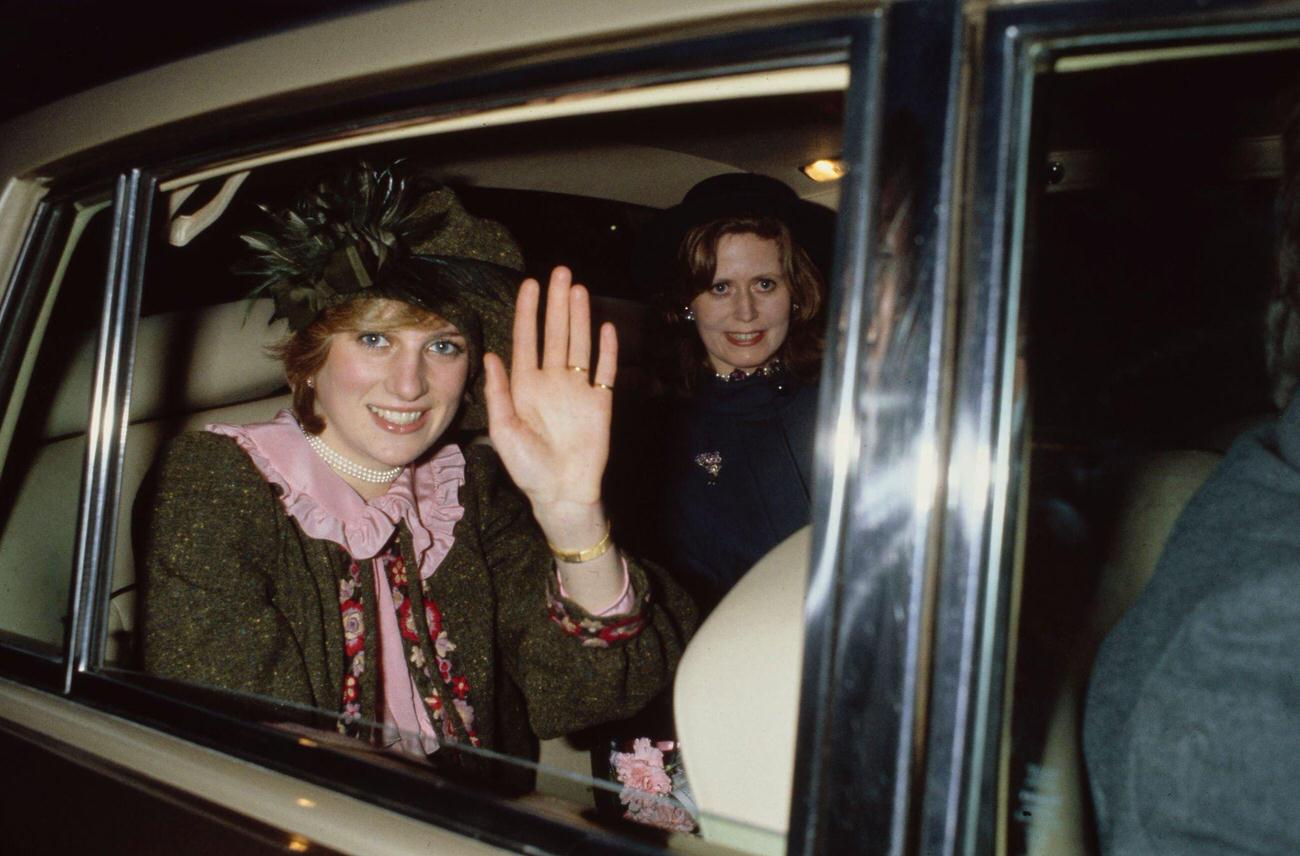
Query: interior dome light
x=824, y=169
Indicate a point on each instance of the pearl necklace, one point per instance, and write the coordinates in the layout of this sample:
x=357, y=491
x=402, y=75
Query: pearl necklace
x=343, y=466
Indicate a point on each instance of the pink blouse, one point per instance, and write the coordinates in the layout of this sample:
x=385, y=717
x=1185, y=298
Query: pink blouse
x=426, y=496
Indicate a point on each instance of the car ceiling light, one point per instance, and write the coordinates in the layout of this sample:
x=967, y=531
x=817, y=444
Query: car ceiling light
x=824, y=169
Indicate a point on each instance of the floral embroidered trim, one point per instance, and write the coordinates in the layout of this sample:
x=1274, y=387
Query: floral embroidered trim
x=394, y=568
x=391, y=564
x=594, y=632
x=354, y=650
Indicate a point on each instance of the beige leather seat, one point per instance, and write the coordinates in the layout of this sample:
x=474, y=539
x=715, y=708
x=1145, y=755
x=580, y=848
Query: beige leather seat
x=1158, y=488
x=736, y=700
x=191, y=368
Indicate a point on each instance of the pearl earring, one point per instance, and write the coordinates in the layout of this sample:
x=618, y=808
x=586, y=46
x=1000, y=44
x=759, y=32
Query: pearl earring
x=311, y=383
x=688, y=313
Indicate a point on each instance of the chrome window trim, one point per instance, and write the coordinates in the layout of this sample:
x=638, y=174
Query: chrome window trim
x=834, y=454
x=133, y=200
x=881, y=440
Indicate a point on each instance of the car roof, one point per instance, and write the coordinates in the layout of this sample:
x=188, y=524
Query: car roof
x=425, y=37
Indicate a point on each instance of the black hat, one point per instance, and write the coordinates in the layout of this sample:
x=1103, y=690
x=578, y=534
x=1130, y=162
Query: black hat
x=733, y=194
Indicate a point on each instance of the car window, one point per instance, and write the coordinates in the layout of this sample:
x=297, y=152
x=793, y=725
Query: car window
x=1149, y=269
x=201, y=359
x=46, y=416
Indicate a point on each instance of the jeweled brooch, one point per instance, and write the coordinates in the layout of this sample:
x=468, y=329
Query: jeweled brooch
x=711, y=463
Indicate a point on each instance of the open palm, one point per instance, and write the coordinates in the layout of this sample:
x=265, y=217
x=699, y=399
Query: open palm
x=549, y=422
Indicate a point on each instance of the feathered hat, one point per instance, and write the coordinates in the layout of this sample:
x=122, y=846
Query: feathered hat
x=397, y=233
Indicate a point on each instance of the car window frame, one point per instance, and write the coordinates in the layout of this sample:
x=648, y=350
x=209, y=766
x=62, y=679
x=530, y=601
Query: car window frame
x=139, y=175
x=56, y=226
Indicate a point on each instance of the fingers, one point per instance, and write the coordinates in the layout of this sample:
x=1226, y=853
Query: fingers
x=496, y=393
x=555, y=338
x=579, y=327
x=607, y=362
x=525, y=329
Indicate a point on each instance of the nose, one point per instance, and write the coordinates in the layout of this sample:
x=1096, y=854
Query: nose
x=406, y=376
x=746, y=307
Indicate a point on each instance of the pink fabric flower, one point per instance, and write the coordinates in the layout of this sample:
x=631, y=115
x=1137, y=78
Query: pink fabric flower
x=655, y=811
x=642, y=768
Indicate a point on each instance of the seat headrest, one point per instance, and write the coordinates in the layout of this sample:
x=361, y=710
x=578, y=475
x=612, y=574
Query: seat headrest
x=185, y=362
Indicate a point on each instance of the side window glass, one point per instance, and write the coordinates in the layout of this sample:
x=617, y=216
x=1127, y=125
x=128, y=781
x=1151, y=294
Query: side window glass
x=1143, y=353
x=202, y=358
x=43, y=438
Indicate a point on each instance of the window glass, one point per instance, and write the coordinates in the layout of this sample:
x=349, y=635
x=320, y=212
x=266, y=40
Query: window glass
x=1150, y=269
x=584, y=192
x=43, y=436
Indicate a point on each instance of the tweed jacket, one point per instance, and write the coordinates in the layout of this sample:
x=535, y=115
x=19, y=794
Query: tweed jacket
x=237, y=597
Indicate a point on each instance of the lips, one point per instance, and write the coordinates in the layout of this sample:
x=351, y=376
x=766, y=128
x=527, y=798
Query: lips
x=398, y=421
x=745, y=340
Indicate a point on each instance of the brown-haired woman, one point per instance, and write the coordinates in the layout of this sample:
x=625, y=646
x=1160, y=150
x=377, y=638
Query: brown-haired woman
x=349, y=558
x=743, y=300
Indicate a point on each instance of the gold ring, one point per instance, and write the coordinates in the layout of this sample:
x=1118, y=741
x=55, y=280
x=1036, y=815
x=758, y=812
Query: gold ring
x=603, y=386
x=582, y=369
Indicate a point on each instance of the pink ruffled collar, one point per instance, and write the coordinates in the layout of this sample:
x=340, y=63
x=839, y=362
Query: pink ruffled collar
x=426, y=496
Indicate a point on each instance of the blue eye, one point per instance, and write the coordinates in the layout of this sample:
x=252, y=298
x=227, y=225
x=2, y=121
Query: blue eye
x=372, y=340
x=766, y=285
x=446, y=347
x=719, y=287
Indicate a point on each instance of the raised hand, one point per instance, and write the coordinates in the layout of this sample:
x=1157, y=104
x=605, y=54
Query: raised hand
x=550, y=422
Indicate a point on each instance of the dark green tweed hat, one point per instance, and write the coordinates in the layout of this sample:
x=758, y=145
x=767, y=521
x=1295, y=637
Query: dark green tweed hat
x=396, y=233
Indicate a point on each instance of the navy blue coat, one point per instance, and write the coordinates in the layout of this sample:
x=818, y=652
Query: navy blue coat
x=714, y=528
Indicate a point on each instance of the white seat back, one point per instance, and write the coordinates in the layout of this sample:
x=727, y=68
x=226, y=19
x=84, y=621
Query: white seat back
x=1159, y=487
x=736, y=702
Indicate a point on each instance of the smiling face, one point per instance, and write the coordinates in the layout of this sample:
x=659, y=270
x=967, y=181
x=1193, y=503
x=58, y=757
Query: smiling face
x=744, y=316
x=388, y=392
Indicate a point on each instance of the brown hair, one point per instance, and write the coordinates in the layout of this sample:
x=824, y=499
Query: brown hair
x=697, y=260
x=303, y=353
